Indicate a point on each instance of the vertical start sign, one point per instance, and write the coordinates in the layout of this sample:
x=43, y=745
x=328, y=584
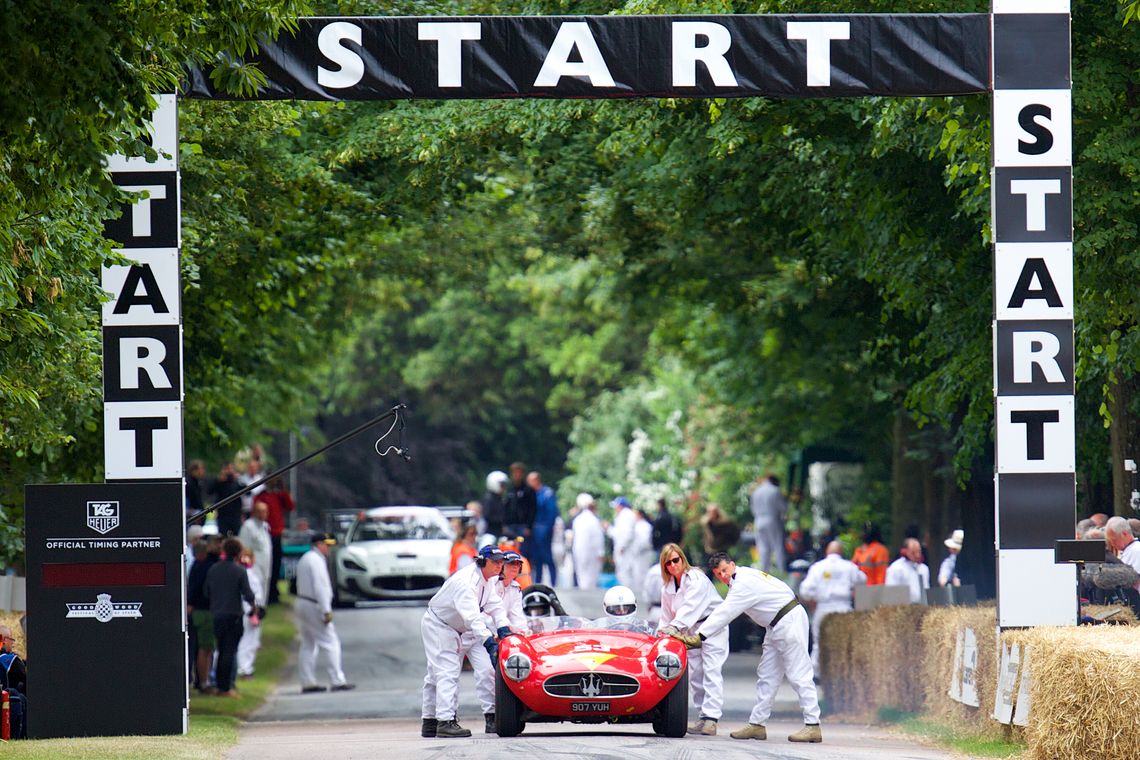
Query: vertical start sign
x=142, y=323
x=1032, y=186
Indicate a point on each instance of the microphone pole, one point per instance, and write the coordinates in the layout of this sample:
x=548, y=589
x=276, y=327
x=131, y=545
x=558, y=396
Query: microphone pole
x=393, y=412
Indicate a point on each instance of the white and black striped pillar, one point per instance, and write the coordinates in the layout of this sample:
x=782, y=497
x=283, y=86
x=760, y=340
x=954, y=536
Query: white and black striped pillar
x=142, y=323
x=1032, y=207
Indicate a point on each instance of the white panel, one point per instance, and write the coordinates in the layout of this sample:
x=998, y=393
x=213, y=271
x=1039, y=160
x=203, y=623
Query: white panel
x=1032, y=590
x=119, y=446
x=1024, y=702
x=1031, y=6
x=163, y=264
x=1046, y=111
x=970, y=668
x=1006, y=682
x=1009, y=262
x=1014, y=439
x=164, y=139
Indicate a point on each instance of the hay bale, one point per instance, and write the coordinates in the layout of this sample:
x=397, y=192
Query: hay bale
x=940, y=636
x=12, y=620
x=1085, y=692
x=868, y=661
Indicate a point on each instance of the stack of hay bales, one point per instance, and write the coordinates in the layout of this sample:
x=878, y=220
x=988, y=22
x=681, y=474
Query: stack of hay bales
x=940, y=630
x=870, y=660
x=1084, y=692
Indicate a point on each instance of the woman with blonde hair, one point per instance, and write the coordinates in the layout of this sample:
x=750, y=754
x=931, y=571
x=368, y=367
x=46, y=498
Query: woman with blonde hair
x=687, y=598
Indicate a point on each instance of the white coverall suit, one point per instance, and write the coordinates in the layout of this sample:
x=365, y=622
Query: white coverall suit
x=621, y=533
x=457, y=609
x=761, y=597
x=685, y=607
x=768, y=512
x=314, y=600
x=588, y=548
x=831, y=583
x=510, y=599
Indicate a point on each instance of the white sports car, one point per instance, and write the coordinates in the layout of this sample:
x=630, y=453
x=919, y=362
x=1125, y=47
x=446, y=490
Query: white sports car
x=393, y=553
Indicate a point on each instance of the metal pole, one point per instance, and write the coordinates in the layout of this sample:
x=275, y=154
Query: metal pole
x=393, y=412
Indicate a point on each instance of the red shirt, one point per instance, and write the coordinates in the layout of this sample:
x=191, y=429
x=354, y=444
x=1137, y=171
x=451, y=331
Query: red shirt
x=279, y=503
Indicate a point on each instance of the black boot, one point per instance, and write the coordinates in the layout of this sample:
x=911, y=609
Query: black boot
x=428, y=729
x=489, y=718
x=450, y=729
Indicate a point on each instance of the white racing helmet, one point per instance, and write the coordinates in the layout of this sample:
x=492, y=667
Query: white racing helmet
x=620, y=601
x=497, y=481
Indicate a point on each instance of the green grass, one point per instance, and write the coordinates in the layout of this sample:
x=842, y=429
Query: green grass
x=214, y=721
x=277, y=634
x=963, y=742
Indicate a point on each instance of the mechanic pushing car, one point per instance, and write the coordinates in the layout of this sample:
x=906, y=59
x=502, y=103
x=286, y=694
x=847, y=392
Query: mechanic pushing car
x=457, y=609
x=770, y=603
x=687, y=599
x=511, y=594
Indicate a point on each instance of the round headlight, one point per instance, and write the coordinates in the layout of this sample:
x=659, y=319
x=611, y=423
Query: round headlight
x=668, y=666
x=517, y=667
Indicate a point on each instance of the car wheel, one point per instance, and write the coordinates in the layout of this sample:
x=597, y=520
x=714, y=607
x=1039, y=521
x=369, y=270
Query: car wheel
x=673, y=712
x=508, y=709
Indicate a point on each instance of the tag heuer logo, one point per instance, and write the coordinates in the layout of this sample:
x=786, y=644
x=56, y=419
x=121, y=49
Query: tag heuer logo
x=102, y=516
x=104, y=610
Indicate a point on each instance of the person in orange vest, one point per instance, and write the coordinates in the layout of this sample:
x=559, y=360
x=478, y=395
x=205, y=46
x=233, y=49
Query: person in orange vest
x=872, y=557
x=524, y=578
x=463, y=550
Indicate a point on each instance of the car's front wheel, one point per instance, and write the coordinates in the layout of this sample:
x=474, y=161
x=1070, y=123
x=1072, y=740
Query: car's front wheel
x=508, y=708
x=673, y=712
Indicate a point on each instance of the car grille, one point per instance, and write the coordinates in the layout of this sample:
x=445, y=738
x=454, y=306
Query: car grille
x=407, y=582
x=590, y=685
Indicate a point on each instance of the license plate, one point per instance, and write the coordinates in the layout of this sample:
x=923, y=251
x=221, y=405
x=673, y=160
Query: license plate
x=589, y=707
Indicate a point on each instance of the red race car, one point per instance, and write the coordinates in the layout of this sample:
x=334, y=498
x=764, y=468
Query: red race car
x=612, y=670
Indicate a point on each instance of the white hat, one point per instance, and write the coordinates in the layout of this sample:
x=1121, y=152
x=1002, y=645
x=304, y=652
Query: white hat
x=584, y=501
x=956, y=539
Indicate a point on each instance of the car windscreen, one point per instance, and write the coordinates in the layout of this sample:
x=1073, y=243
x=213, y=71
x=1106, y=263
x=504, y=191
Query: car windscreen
x=567, y=622
x=397, y=528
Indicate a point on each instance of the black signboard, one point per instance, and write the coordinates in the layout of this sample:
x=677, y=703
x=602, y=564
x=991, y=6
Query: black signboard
x=106, y=613
x=794, y=56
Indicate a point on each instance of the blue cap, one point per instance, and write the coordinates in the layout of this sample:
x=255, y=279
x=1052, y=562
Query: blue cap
x=620, y=501
x=512, y=557
x=491, y=552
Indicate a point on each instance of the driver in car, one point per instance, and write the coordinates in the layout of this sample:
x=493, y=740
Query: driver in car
x=620, y=604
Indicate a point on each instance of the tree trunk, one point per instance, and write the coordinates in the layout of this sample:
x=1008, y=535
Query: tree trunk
x=907, y=482
x=1122, y=442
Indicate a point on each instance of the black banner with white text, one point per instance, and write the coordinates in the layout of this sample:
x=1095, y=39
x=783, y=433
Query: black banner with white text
x=794, y=56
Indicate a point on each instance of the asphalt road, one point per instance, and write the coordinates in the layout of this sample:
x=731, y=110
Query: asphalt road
x=384, y=656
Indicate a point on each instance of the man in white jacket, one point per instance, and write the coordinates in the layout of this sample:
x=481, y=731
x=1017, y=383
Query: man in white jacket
x=510, y=610
x=621, y=533
x=830, y=583
x=910, y=571
x=688, y=597
x=588, y=542
x=314, y=617
x=770, y=603
x=456, y=609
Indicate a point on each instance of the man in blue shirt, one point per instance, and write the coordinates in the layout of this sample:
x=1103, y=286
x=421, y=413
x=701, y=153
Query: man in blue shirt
x=546, y=513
